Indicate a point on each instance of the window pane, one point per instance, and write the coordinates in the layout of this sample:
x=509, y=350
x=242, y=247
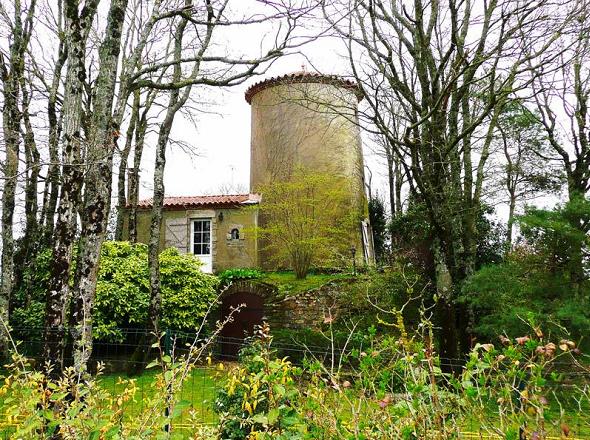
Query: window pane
x=201, y=237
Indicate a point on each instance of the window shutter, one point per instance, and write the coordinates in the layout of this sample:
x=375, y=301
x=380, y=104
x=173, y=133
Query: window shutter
x=177, y=234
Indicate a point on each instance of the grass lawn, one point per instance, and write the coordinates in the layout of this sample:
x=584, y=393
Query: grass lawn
x=197, y=393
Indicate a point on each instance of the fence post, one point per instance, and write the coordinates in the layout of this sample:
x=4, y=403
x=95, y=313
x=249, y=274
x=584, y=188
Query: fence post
x=167, y=351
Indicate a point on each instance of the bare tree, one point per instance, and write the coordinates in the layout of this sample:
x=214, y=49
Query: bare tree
x=139, y=50
x=208, y=69
x=54, y=119
x=78, y=24
x=12, y=72
x=443, y=70
x=395, y=177
x=562, y=96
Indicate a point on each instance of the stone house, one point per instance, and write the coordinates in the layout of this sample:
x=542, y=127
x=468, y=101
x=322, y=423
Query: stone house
x=293, y=124
x=220, y=229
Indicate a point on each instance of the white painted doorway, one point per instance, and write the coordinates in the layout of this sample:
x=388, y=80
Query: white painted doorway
x=201, y=242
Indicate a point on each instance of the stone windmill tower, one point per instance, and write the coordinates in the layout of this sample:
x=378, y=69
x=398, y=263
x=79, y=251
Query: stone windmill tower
x=309, y=120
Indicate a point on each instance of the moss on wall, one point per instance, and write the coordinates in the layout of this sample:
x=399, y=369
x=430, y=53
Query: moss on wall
x=311, y=126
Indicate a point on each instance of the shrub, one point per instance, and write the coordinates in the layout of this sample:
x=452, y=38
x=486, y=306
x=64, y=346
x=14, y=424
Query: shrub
x=230, y=275
x=397, y=390
x=299, y=343
x=259, y=395
x=187, y=292
x=122, y=291
x=507, y=297
x=41, y=404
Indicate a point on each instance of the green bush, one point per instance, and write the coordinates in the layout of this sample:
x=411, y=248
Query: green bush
x=187, y=293
x=298, y=344
x=122, y=290
x=259, y=395
x=123, y=293
x=544, y=283
x=230, y=275
x=507, y=298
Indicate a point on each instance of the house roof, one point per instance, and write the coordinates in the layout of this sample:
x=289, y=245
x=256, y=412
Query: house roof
x=303, y=77
x=184, y=202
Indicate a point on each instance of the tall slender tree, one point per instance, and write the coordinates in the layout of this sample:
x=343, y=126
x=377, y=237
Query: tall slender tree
x=443, y=70
x=78, y=22
x=562, y=97
x=12, y=72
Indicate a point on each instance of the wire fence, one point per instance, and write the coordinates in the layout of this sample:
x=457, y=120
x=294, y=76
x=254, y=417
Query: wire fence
x=115, y=357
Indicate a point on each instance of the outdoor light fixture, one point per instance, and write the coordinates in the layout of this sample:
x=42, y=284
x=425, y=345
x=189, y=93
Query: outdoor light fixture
x=220, y=216
x=353, y=252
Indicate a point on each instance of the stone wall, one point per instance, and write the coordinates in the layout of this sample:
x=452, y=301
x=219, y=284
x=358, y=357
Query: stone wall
x=305, y=310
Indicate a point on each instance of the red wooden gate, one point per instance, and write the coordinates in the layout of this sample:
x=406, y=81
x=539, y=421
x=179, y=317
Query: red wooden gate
x=233, y=333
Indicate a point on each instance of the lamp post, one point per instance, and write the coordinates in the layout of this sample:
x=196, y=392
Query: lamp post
x=353, y=252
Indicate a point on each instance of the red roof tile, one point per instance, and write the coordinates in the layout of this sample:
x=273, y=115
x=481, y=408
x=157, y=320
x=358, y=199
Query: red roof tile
x=303, y=77
x=204, y=201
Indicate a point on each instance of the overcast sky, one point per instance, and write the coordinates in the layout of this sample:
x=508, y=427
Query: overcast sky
x=221, y=137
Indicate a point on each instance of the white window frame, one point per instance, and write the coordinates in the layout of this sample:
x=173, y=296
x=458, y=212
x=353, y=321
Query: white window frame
x=192, y=229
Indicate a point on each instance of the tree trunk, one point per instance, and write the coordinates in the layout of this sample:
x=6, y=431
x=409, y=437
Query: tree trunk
x=77, y=27
x=399, y=180
x=391, y=183
x=121, y=192
x=510, y=224
x=576, y=252
x=449, y=338
x=98, y=185
x=30, y=241
x=134, y=175
x=12, y=75
x=11, y=122
x=51, y=190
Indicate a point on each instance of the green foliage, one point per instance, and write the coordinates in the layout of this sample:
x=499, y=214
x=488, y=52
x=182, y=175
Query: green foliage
x=379, y=226
x=560, y=236
x=295, y=343
x=491, y=237
x=38, y=405
x=391, y=387
x=399, y=286
x=122, y=291
x=506, y=297
x=230, y=275
x=259, y=396
x=535, y=282
x=398, y=390
x=187, y=292
x=307, y=220
x=525, y=144
x=35, y=279
x=411, y=231
x=288, y=284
